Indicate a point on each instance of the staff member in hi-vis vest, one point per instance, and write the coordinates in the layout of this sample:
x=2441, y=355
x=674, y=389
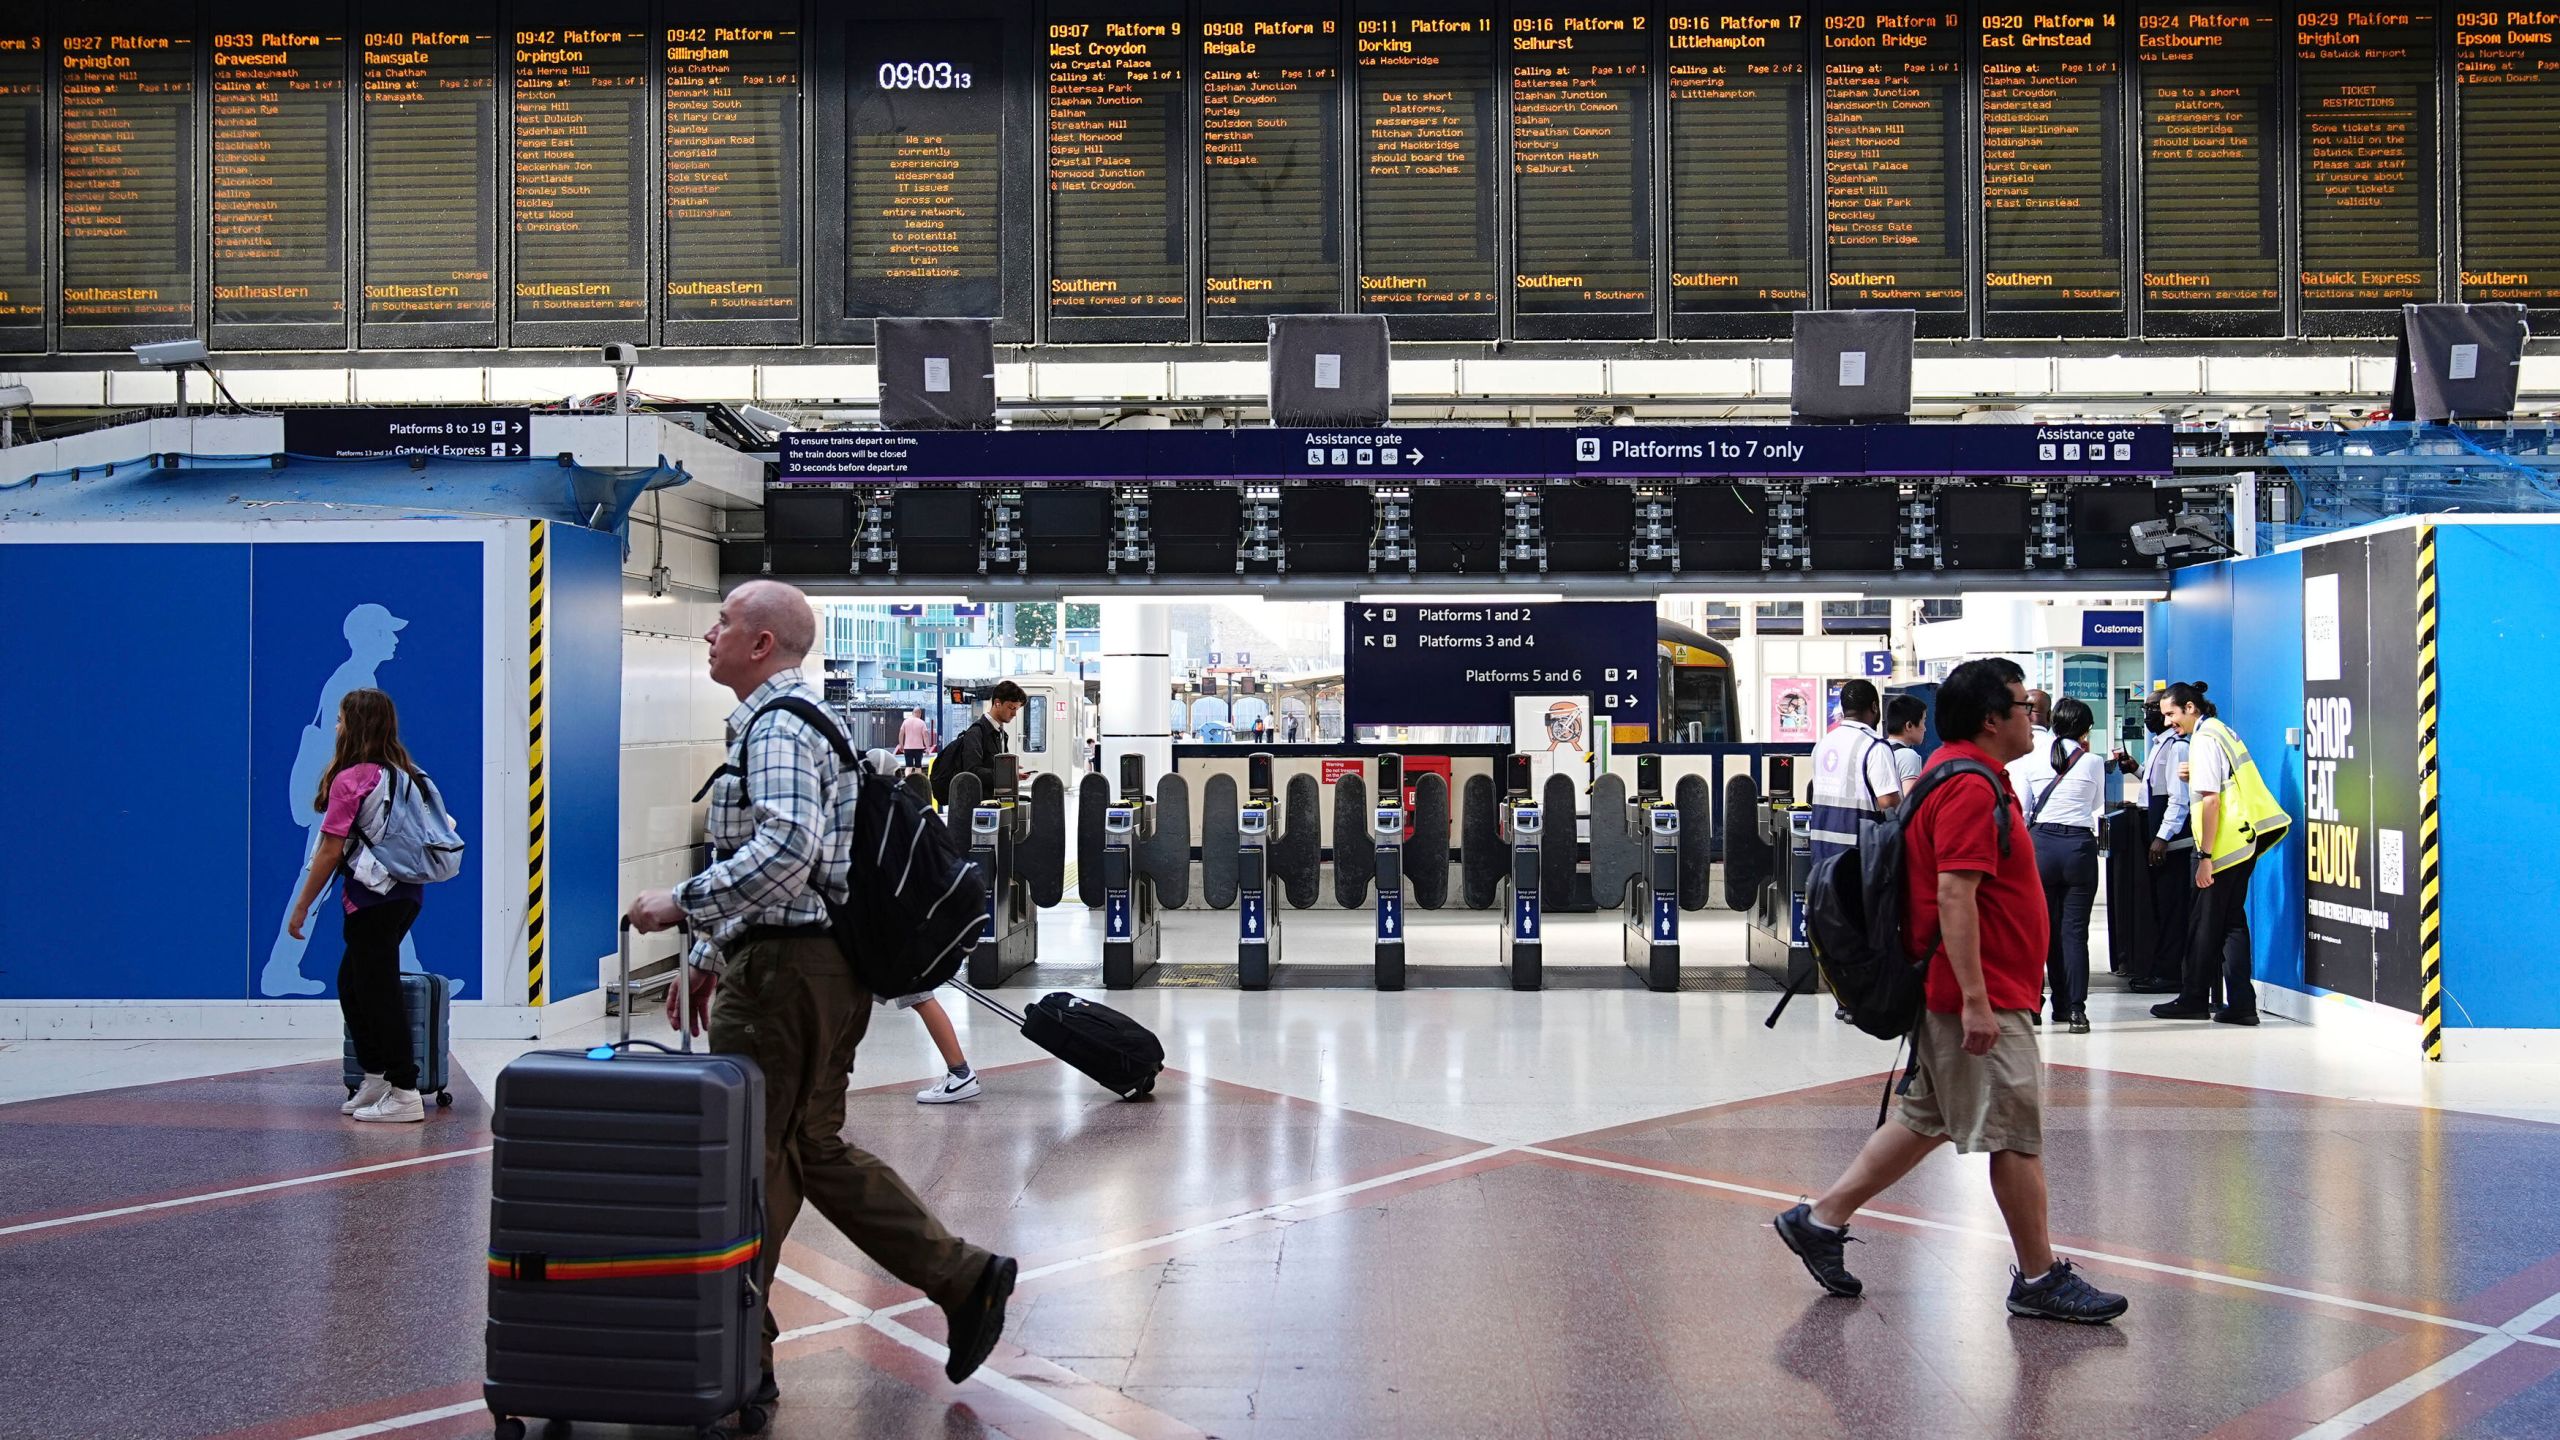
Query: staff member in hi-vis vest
x=2234, y=821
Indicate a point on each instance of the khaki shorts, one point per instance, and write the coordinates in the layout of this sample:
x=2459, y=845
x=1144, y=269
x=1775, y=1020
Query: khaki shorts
x=1981, y=1102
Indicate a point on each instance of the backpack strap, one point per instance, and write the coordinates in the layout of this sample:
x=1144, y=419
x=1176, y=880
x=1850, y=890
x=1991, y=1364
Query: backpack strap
x=2054, y=784
x=804, y=707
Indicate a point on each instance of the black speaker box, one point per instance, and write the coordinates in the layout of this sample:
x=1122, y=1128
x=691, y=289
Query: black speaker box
x=1983, y=527
x=1852, y=365
x=1853, y=526
x=1329, y=370
x=2457, y=362
x=937, y=374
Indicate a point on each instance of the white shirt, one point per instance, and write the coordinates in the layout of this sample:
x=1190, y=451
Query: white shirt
x=1906, y=762
x=2208, y=764
x=2077, y=796
x=2160, y=778
x=2028, y=772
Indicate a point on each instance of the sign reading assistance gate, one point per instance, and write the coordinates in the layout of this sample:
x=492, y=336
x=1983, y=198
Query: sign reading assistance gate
x=1448, y=663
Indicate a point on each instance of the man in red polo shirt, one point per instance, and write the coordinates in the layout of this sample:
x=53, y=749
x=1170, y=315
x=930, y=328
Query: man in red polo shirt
x=1972, y=897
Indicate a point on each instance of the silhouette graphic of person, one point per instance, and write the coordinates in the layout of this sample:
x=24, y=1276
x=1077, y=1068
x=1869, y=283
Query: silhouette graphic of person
x=373, y=637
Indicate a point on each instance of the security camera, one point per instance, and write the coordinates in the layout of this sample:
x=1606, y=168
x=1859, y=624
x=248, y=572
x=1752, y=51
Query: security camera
x=16, y=397
x=622, y=355
x=172, y=354
x=2189, y=530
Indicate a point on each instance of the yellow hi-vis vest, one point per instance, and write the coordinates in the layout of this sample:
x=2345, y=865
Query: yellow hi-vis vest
x=2249, y=822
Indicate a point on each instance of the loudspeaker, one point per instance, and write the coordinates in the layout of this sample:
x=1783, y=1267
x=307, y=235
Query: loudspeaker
x=2457, y=362
x=1853, y=525
x=1853, y=365
x=937, y=374
x=1983, y=527
x=1329, y=370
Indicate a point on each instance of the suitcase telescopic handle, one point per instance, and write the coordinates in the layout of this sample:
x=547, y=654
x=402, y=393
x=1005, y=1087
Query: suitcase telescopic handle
x=684, y=996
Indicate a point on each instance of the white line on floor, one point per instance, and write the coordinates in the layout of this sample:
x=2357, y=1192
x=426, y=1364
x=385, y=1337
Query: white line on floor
x=398, y=1423
x=2444, y=1372
x=269, y=1187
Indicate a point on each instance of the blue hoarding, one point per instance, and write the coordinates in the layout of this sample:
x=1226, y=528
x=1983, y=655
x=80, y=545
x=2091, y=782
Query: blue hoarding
x=1451, y=663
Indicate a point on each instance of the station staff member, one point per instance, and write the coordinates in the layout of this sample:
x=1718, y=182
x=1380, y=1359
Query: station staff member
x=2235, y=821
x=2063, y=816
x=2172, y=857
x=1854, y=778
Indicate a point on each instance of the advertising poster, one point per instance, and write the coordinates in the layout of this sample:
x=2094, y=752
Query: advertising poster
x=1793, y=710
x=1831, y=704
x=1554, y=731
x=2359, y=742
x=2390, y=748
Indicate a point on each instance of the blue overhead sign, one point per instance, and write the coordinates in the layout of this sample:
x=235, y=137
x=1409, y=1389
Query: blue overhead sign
x=1476, y=452
x=2111, y=628
x=1443, y=663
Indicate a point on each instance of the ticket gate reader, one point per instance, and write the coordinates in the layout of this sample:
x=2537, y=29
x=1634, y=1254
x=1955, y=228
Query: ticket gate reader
x=1652, y=930
x=1257, y=922
x=1130, y=939
x=996, y=832
x=1774, y=935
x=1386, y=829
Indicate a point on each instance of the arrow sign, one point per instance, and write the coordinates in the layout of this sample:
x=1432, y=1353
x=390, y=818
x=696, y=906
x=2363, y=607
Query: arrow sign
x=1416, y=457
x=1368, y=614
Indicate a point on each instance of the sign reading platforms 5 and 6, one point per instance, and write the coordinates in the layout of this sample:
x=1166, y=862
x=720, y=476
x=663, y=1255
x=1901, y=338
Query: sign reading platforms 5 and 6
x=1429, y=662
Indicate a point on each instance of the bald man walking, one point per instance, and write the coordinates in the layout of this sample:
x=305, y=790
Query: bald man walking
x=767, y=971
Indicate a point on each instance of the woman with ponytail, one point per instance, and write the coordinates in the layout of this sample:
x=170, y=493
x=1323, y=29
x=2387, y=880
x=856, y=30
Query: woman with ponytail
x=2063, y=817
x=2234, y=820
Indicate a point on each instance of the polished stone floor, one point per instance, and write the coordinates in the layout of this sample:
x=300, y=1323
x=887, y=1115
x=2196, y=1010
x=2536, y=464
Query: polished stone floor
x=1449, y=1212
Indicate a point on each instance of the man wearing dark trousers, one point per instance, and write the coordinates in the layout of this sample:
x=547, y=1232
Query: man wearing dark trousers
x=1973, y=893
x=778, y=989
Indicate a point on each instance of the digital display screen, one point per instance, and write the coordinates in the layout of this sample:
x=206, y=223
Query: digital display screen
x=2506, y=66
x=1582, y=161
x=730, y=116
x=1741, y=205
x=581, y=101
x=25, y=208
x=429, y=171
x=1893, y=158
x=925, y=150
x=279, y=167
x=1118, y=155
x=1270, y=163
x=2052, y=160
x=128, y=178
x=2368, y=181
x=2210, y=84
x=1427, y=125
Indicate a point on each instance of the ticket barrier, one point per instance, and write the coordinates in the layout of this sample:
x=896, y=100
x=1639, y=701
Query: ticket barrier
x=997, y=830
x=1130, y=938
x=1774, y=939
x=1387, y=819
x=1257, y=922
x=1522, y=945
x=1651, y=933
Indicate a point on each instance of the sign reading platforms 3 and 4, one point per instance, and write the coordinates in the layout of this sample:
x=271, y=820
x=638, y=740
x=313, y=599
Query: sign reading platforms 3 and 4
x=1449, y=663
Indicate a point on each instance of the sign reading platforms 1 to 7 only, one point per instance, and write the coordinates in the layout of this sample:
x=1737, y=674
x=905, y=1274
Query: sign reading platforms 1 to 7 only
x=1449, y=663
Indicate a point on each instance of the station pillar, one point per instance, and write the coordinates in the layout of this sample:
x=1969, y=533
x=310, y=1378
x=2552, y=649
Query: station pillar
x=1137, y=685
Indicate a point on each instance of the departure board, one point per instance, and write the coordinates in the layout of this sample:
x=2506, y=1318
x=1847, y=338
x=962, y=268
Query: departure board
x=2506, y=67
x=2052, y=160
x=2368, y=170
x=1271, y=197
x=2210, y=88
x=925, y=150
x=581, y=107
x=731, y=122
x=1741, y=207
x=25, y=207
x=1582, y=161
x=129, y=109
x=279, y=167
x=1427, y=131
x=428, y=175
x=1893, y=157
x=1118, y=157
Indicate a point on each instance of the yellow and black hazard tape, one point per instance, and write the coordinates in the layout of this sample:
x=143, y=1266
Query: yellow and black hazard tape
x=2430, y=873
x=535, y=801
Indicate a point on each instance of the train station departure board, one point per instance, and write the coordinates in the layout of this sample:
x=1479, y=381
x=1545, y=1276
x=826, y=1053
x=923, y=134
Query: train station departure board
x=1894, y=205
x=1582, y=164
x=25, y=208
x=2367, y=81
x=129, y=130
x=1741, y=230
x=279, y=168
x=730, y=117
x=2210, y=90
x=580, y=88
x=925, y=150
x=1428, y=128
x=2506, y=66
x=1271, y=195
x=427, y=175
x=1119, y=164
x=2053, y=179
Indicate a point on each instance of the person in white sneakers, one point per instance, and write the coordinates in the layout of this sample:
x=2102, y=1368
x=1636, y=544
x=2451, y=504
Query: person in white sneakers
x=959, y=1082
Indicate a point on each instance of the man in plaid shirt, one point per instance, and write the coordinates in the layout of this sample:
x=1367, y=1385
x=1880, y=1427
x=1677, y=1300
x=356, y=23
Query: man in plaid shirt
x=776, y=987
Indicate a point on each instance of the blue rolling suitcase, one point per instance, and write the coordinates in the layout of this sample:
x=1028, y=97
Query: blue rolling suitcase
x=626, y=1224
x=429, y=1001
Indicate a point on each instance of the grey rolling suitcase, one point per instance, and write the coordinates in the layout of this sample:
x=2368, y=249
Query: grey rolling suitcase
x=626, y=1217
x=429, y=1001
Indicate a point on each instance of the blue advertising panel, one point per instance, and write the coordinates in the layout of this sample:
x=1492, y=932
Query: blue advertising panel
x=1452, y=663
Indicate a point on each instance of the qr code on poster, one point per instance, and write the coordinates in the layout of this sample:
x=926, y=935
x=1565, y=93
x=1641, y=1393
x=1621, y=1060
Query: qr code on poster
x=2387, y=862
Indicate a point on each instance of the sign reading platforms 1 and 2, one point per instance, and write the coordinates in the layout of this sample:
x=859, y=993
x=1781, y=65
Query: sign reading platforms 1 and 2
x=1447, y=663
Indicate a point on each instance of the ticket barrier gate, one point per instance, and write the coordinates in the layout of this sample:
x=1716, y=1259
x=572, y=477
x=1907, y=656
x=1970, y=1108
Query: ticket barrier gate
x=1386, y=831
x=1651, y=933
x=1774, y=940
x=1257, y=922
x=1522, y=945
x=997, y=830
x=1130, y=939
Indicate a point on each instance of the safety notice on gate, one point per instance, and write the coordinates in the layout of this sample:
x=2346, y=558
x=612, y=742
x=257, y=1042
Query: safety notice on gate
x=1449, y=663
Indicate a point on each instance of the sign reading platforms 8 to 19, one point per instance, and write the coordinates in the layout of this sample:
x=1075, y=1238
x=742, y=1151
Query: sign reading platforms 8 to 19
x=1421, y=663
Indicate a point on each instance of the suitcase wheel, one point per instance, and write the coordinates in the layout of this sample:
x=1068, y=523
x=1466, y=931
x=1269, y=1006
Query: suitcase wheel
x=752, y=1419
x=509, y=1428
x=555, y=1430
x=444, y=1101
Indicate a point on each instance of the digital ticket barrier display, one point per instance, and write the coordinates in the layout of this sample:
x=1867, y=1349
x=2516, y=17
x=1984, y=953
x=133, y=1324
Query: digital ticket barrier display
x=1521, y=937
x=1651, y=937
x=997, y=829
x=1257, y=924
x=1387, y=820
x=1130, y=940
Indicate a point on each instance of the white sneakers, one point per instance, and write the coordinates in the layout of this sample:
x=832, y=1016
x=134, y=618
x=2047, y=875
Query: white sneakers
x=373, y=1089
x=396, y=1107
x=948, y=1090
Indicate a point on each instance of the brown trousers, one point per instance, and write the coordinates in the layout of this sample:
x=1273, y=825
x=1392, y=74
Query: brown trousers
x=793, y=1007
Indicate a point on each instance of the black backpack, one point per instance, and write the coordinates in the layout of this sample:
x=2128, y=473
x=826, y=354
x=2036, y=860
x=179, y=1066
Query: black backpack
x=914, y=904
x=1853, y=914
x=952, y=759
